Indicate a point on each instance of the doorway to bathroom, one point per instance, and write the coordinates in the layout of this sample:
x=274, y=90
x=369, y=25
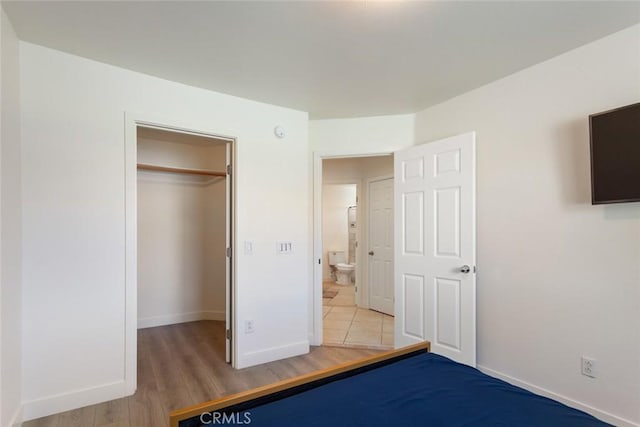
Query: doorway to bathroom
x=339, y=237
x=353, y=226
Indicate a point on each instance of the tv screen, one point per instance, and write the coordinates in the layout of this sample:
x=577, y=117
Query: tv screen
x=615, y=155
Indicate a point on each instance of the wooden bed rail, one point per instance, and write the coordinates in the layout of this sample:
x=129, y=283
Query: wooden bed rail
x=179, y=415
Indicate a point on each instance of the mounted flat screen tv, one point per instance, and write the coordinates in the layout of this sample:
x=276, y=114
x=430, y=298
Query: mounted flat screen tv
x=615, y=155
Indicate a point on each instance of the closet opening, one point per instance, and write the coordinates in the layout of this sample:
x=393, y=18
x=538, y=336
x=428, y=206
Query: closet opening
x=184, y=204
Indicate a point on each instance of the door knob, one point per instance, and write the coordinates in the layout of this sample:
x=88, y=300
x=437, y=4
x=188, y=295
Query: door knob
x=465, y=269
x=370, y=252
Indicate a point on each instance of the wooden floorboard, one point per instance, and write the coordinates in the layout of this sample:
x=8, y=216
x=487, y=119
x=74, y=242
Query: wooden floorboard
x=182, y=365
x=111, y=412
x=81, y=417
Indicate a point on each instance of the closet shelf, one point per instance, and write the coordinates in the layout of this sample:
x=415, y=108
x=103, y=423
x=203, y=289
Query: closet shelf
x=180, y=170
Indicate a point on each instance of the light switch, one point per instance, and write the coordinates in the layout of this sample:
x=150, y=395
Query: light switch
x=284, y=247
x=248, y=247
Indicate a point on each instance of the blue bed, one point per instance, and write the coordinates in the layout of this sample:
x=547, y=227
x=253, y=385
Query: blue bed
x=416, y=389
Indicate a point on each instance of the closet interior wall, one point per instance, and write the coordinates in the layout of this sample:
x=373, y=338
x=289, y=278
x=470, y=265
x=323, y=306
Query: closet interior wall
x=181, y=230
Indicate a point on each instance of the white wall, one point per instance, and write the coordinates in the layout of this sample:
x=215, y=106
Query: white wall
x=367, y=135
x=10, y=228
x=354, y=168
x=181, y=233
x=557, y=277
x=336, y=199
x=73, y=127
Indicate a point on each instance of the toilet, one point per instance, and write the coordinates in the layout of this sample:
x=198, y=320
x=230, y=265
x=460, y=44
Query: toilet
x=344, y=272
x=338, y=264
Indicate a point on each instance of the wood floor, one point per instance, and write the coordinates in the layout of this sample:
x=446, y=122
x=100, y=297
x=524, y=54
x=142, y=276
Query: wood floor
x=181, y=365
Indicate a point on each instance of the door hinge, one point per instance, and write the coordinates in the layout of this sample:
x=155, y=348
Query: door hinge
x=228, y=334
x=228, y=169
x=228, y=252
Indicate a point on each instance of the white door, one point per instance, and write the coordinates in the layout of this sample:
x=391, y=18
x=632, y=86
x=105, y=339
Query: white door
x=435, y=243
x=381, y=287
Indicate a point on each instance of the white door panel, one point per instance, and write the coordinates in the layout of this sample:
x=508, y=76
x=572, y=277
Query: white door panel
x=435, y=237
x=381, y=285
x=413, y=306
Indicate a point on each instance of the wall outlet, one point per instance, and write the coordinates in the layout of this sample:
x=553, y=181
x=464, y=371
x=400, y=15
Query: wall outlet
x=248, y=327
x=589, y=367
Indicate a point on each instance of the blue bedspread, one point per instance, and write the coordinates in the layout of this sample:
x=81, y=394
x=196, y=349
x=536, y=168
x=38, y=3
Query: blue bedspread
x=423, y=390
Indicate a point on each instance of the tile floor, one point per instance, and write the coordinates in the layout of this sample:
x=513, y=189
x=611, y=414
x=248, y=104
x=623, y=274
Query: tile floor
x=346, y=325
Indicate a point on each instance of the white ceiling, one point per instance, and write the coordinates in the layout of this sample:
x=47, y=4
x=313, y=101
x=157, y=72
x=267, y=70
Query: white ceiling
x=333, y=59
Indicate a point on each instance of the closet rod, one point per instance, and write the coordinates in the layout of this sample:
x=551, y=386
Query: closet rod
x=180, y=170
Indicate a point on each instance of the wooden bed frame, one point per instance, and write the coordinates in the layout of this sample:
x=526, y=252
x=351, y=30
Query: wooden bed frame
x=342, y=369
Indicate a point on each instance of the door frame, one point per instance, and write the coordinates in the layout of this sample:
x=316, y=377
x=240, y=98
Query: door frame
x=132, y=122
x=369, y=181
x=315, y=294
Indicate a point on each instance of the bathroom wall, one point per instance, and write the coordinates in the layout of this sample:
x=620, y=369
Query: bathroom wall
x=359, y=170
x=336, y=199
x=181, y=231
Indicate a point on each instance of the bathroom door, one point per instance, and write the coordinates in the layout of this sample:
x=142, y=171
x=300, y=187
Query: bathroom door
x=381, y=245
x=435, y=256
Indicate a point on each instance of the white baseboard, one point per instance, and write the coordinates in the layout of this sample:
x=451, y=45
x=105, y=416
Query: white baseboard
x=171, y=319
x=273, y=353
x=602, y=415
x=214, y=315
x=313, y=340
x=16, y=419
x=72, y=400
